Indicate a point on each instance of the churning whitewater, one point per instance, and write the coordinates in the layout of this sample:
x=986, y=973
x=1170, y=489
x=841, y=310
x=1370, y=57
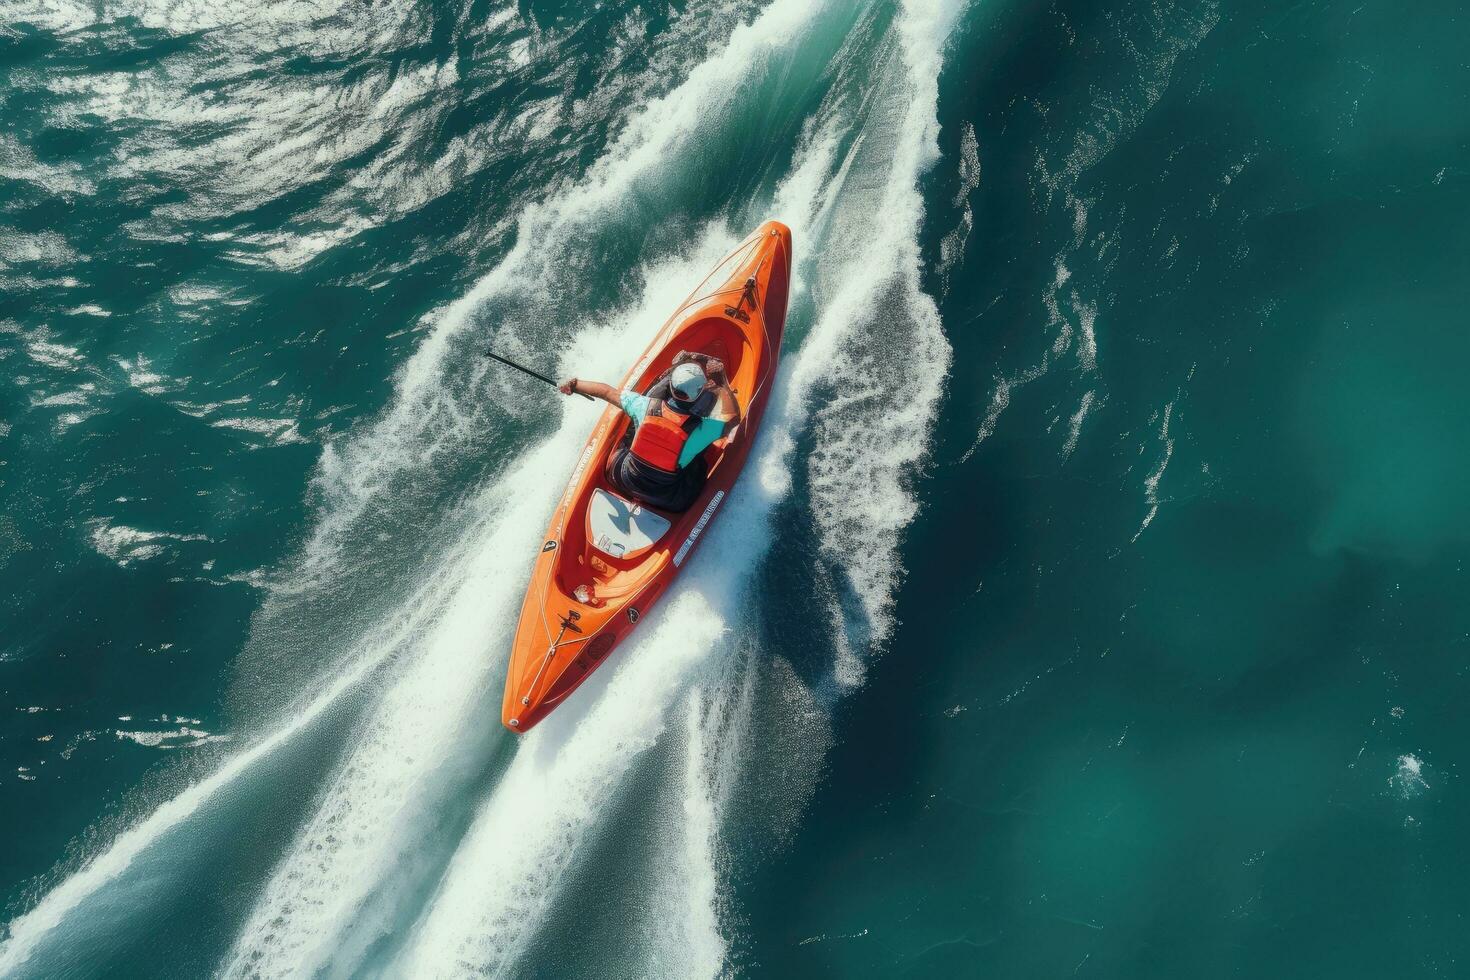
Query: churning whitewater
x=436, y=845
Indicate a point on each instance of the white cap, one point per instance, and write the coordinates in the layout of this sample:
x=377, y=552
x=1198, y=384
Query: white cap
x=687, y=381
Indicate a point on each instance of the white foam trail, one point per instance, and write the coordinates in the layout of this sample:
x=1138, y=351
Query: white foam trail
x=396, y=443
x=506, y=872
x=684, y=921
x=504, y=879
x=325, y=900
x=397, y=775
x=880, y=318
x=687, y=941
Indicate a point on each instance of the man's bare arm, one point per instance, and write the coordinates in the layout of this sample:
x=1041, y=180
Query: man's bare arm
x=575, y=386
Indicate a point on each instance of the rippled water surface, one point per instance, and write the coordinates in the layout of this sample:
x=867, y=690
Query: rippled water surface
x=1093, y=603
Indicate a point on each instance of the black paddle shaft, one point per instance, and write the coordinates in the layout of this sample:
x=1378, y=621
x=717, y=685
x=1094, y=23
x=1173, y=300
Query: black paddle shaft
x=535, y=374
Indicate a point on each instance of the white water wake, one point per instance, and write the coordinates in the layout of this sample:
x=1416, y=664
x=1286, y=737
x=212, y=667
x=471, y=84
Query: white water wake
x=312, y=914
x=414, y=430
x=360, y=864
x=335, y=891
x=504, y=879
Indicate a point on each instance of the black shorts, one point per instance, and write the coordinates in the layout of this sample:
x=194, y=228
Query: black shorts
x=672, y=492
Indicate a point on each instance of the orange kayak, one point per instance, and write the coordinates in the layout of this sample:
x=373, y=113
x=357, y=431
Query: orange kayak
x=605, y=560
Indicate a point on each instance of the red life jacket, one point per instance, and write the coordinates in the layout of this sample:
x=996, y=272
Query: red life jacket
x=660, y=437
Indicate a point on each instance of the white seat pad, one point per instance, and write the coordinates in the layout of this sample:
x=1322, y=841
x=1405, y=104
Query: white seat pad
x=620, y=528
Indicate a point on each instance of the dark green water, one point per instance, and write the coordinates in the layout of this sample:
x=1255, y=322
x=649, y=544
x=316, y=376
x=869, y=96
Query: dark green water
x=1094, y=603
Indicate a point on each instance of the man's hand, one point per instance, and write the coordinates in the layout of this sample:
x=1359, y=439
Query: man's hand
x=591, y=390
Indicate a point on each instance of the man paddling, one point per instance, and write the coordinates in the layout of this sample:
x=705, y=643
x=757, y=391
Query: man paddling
x=659, y=461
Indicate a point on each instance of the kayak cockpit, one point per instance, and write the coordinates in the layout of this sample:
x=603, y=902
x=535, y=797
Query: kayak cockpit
x=619, y=544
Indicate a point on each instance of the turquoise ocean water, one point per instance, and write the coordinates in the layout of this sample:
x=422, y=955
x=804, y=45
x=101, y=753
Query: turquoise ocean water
x=1093, y=604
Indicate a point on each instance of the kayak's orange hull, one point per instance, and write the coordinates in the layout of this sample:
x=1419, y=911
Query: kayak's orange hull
x=544, y=671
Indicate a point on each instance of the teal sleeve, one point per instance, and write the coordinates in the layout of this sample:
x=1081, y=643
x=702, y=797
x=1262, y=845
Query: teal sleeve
x=634, y=404
x=700, y=439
